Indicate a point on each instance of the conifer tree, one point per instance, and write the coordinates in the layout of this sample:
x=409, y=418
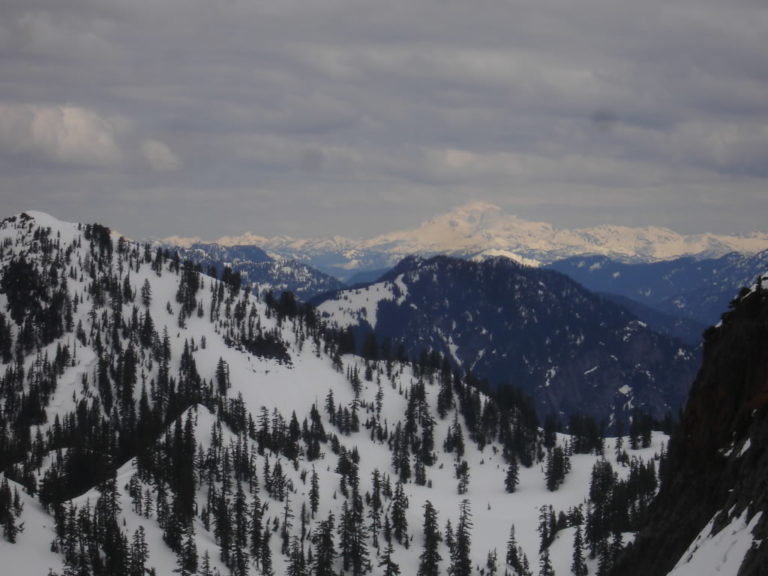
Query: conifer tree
x=430, y=558
x=578, y=564
x=462, y=474
x=545, y=564
x=512, y=477
x=205, y=565
x=325, y=549
x=314, y=492
x=188, y=558
x=256, y=529
x=266, y=556
x=450, y=540
x=461, y=561
x=391, y=568
x=545, y=535
x=491, y=563
x=399, y=518
x=374, y=512
x=297, y=562
x=139, y=553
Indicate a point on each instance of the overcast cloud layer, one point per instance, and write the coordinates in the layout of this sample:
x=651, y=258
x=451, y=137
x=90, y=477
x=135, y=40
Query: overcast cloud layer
x=203, y=117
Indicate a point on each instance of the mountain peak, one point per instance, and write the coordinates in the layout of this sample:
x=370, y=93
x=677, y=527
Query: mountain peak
x=39, y=219
x=479, y=227
x=474, y=211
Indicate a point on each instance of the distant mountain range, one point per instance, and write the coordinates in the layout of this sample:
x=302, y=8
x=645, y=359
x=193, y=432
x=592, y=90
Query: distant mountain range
x=687, y=288
x=479, y=228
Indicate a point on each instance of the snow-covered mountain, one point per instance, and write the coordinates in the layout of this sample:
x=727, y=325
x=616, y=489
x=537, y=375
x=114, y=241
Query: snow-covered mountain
x=478, y=228
x=155, y=420
x=261, y=271
x=571, y=350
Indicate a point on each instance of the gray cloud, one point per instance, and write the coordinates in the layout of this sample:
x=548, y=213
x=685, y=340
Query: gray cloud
x=159, y=156
x=352, y=117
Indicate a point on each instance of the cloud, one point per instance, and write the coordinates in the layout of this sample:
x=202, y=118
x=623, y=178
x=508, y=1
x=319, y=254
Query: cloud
x=60, y=134
x=322, y=113
x=159, y=156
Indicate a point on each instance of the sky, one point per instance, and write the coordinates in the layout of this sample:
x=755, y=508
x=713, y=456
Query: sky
x=357, y=117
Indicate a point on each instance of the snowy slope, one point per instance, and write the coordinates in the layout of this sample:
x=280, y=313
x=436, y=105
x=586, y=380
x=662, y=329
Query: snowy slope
x=719, y=551
x=296, y=378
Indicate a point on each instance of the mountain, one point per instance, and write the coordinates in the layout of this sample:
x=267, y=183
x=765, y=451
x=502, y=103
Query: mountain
x=571, y=350
x=262, y=271
x=478, y=228
x=154, y=420
x=711, y=514
x=684, y=329
x=366, y=277
x=698, y=290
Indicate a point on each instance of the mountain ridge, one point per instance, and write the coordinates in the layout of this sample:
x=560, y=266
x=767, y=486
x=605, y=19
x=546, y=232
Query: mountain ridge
x=696, y=289
x=477, y=227
x=569, y=349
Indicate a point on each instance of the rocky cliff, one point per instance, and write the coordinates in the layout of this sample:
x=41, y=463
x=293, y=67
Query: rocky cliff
x=710, y=510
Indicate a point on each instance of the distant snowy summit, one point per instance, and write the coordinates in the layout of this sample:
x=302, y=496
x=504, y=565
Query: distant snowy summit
x=478, y=228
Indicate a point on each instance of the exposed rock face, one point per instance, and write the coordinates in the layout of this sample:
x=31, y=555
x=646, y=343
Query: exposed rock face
x=717, y=467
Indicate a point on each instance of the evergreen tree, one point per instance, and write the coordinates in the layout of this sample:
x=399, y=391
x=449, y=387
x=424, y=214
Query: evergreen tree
x=545, y=564
x=205, y=565
x=391, y=568
x=491, y=563
x=314, y=492
x=139, y=553
x=399, y=518
x=462, y=474
x=146, y=293
x=256, y=529
x=450, y=540
x=430, y=558
x=266, y=556
x=375, y=503
x=461, y=561
x=557, y=467
x=512, y=556
x=325, y=549
x=578, y=564
x=297, y=562
x=187, y=560
x=512, y=477
x=544, y=527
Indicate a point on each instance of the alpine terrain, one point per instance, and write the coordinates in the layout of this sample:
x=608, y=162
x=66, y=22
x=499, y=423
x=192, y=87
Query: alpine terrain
x=155, y=420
